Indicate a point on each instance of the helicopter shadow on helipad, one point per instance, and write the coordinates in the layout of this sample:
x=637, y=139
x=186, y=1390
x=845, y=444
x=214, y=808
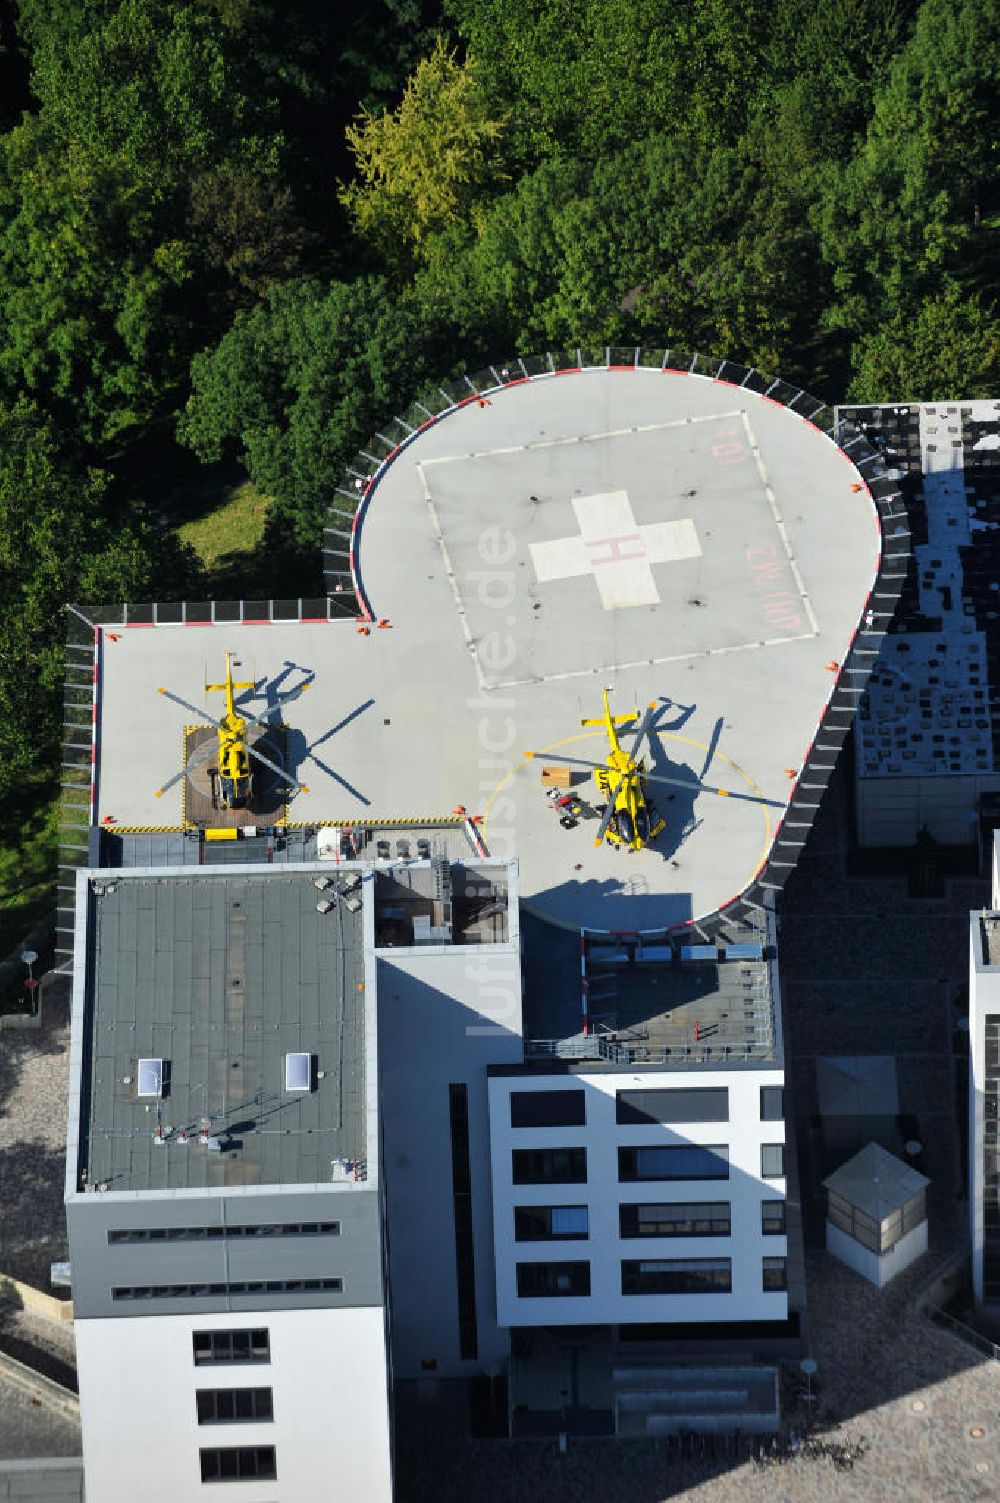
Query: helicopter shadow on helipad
x=674, y=804
x=302, y=752
x=282, y=690
x=276, y=692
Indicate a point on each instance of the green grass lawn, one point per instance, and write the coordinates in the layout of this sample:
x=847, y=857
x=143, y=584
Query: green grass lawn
x=234, y=528
x=245, y=553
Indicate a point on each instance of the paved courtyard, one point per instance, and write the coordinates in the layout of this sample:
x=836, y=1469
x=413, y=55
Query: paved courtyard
x=34, y=1076
x=899, y=1407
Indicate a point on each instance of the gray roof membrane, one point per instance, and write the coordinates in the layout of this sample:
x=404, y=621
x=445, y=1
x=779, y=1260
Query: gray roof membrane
x=690, y=1004
x=220, y=976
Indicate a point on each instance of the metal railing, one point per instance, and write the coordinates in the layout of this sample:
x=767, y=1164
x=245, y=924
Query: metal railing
x=965, y=1333
x=595, y=1047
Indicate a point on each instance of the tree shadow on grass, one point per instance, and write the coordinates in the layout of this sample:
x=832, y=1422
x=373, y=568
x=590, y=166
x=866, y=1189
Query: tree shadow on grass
x=277, y=568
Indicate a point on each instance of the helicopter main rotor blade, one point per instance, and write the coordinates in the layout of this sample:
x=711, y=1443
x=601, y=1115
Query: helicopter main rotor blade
x=609, y=812
x=569, y=761
x=186, y=704
x=644, y=727
x=201, y=755
x=691, y=785
x=694, y=786
x=286, y=777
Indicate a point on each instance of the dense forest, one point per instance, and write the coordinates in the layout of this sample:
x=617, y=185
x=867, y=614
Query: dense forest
x=235, y=235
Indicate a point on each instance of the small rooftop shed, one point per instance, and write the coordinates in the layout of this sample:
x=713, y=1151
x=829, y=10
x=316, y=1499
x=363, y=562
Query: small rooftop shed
x=876, y=1220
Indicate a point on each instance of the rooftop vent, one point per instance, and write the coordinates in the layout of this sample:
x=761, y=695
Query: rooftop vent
x=298, y=1072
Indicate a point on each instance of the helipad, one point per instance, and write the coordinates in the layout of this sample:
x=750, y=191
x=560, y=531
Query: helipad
x=683, y=540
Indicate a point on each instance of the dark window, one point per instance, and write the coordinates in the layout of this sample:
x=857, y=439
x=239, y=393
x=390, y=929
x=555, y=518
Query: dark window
x=772, y=1160
x=461, y=1186
x=231, y=1346
x=547, y=1109
x=689, y=1161
x=685, y=1104
x=775, y=1273
x=552, y=1279
x=221, y=1406
x=237, y=1463
x=549, y=1166
x=678, y=1276
x=541, y=1223
x=674, y=1219
x=772, y=1218
x=201, y=1291
x=772, y=1103
x=203, y=1233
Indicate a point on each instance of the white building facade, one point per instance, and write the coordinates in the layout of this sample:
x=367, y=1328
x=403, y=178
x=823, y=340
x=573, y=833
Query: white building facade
x=653, y=1196
x=290, y=1403
x=984, y=1097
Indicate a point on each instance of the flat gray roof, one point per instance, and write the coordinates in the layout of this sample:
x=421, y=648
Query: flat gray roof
x=220, y=974
x=706, y=1005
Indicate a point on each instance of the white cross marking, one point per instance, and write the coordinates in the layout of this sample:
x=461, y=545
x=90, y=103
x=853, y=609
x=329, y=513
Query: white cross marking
x=615, y=550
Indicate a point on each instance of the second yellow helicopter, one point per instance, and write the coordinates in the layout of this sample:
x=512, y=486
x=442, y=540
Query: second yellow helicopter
x=630, y=820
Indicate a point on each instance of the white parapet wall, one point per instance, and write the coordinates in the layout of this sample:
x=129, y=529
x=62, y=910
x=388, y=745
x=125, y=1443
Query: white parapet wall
x=984, y=1050
x=877, y=1268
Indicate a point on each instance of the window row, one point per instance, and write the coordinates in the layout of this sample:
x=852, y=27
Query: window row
x=877, y=1236
x=228, y=1406
x=690, y=1161
x=238, y=1463
x=241, y=1286
x=667, y=1219
x=568, y=1108
x=252, y=1345
x=645, y=1276
x=215, y=1233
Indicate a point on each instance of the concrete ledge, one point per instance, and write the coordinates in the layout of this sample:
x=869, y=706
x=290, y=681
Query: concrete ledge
x=42, y=1479
x=36, y=1300
x=20, y=1019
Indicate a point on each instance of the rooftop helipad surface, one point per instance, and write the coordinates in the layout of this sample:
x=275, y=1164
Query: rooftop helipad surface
x=686, y=542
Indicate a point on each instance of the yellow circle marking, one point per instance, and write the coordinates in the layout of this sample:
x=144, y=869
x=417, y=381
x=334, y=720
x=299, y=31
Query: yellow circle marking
x=662, y=736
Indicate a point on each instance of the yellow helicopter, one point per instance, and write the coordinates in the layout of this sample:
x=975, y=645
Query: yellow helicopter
x=235, y=780
x=631, y=821
x=628, y=819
